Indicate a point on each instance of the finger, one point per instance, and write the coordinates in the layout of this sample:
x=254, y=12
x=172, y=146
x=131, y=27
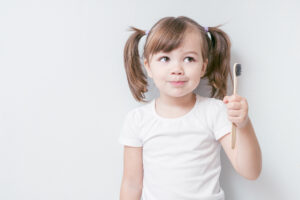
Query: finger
x=226, y=99
x=236, y=120
x=235, y=98
x=234, y=113
x=232, y=98
x=234, y=105
x=244, y=102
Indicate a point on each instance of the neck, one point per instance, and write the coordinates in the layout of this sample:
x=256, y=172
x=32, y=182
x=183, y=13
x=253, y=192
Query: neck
x=183, y=101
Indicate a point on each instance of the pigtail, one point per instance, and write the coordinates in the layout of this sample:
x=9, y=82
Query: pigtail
x=218, y=62
x=135, y=76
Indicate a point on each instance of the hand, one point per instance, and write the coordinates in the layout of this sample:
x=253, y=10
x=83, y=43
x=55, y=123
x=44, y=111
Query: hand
x=237, y=109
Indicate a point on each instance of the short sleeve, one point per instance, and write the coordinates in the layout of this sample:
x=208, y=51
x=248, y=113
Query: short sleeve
x=220, y=122
x=129, y=131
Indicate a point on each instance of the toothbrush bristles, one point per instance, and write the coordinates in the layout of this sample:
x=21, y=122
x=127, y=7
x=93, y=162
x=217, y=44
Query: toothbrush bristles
x=238, y=69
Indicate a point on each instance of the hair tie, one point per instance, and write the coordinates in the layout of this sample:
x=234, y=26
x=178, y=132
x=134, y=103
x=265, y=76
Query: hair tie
x=206, y=29
x=147, y=32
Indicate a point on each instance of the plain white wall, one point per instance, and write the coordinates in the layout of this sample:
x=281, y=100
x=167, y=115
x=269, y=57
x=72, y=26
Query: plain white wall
x=64, y=93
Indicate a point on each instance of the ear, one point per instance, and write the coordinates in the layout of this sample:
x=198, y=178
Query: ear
x=204, y=65
x=147, y=67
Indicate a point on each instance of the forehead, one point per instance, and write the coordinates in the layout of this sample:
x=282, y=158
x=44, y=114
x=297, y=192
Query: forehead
x=169, y=39
x=191, y=41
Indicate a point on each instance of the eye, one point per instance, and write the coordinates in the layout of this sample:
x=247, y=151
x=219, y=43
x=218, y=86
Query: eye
x=164, y=60
x=191, y=59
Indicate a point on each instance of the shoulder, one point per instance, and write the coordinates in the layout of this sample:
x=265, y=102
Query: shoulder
x=216, y=103
x=212, y=108
x=138, y=113
x=209, y=103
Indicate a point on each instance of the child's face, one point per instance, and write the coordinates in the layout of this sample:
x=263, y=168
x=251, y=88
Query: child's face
x=178, y=65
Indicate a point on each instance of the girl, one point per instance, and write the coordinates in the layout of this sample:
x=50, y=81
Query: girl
x=172, y=143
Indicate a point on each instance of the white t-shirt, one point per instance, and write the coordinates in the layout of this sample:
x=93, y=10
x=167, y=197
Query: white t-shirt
x=181, y=156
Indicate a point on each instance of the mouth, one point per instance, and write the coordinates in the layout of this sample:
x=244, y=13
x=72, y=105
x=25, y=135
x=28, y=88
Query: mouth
x=177, y=83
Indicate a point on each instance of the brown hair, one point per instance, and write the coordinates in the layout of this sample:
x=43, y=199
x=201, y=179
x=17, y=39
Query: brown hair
x=166, y=35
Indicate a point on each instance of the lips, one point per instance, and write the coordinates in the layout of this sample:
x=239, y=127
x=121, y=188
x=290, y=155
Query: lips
x=177, y=83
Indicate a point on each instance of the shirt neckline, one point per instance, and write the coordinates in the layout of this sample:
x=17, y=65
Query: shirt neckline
x=176, y=118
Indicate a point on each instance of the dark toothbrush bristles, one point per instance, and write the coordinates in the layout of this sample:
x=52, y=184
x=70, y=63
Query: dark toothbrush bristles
x=238, y=70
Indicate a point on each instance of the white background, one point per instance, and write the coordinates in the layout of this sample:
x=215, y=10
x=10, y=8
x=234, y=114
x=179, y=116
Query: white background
x=64, y=93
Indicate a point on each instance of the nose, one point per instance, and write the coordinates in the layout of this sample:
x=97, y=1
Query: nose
x=177, y=69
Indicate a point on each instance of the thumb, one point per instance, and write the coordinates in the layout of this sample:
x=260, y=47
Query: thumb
x=225, y=99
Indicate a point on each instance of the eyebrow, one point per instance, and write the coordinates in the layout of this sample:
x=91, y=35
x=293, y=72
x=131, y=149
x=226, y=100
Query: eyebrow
x=193, y=52
x=186, y=52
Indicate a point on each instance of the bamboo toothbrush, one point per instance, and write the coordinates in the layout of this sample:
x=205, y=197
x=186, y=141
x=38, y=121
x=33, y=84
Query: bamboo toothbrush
x=237, y=69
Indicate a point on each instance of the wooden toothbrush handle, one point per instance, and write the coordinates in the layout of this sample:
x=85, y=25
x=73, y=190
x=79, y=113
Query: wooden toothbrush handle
x=233, y=130
x=233, y=134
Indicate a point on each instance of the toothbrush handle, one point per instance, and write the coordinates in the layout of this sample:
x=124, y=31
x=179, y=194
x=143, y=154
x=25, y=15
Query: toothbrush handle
x=233, y=134
x=233, y=130
x=234, y=84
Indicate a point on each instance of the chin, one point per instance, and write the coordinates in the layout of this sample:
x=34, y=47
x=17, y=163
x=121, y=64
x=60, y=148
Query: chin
x=178, y=94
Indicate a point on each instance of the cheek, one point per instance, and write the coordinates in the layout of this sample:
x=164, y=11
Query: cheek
x=159, y=78
x=159, y=74
x=195, y=73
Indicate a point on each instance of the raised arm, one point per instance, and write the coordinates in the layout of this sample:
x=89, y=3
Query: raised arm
x=246, y=157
